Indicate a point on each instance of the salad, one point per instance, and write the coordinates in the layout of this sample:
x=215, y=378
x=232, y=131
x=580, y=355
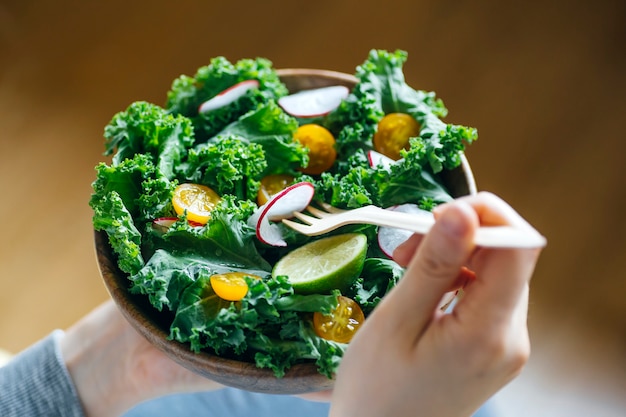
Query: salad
x=181, y=197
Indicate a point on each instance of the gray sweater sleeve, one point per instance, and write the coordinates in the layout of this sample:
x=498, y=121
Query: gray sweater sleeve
x=36, y=383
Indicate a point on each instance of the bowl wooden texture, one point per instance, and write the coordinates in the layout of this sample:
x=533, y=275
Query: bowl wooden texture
x=154, y=325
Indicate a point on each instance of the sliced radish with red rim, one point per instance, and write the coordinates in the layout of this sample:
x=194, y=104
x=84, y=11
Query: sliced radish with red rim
x=281, y=206
x=228, y=96
x=389, y=238
x=378, y=160
x=162, y=224
x=316, y=102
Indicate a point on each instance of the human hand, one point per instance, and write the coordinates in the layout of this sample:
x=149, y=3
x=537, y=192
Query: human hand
x=409, y=357
x=114, y=367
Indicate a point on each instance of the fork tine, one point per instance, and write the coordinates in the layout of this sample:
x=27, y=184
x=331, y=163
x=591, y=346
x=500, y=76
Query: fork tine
x=317, y=212
x=330, y=208
x=298, y=227
x=304, y=217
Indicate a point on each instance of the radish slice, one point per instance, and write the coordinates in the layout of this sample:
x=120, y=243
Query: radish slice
x=281, y=206
x=162, y=224
x=389, y=238
x=377, y=159
x=228, y=96
x=314, y=103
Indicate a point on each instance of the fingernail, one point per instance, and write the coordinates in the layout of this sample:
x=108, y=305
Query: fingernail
x=440, y=209
x=452, y=222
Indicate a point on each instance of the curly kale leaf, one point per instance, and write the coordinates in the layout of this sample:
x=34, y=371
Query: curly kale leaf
x=205, y=321
x=143, y=191
x=382, y=76
x=209, y=124
x=145, y=128
x=265, y=325
x=280, y=355
x=225, y=239
x=111, y=215
x=115, y=202
x=440, y=146
x=351, y=190
x=155, y=200
x=184, y=253
x=273, y=129
x=408, y=181
x=378, y=277
x=229, y=165
x=188, y=93
x=354, y=123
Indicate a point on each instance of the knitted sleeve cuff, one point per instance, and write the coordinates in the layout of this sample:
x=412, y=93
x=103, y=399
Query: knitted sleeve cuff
x=36, y=383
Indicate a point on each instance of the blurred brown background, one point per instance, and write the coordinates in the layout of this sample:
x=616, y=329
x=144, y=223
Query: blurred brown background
x=544, y=83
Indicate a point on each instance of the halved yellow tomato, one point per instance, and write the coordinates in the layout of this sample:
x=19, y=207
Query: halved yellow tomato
x=321, y=145
x=342, y=324
x=231, y=286
x=197, y=200
x=393, y=134
x=272, y=184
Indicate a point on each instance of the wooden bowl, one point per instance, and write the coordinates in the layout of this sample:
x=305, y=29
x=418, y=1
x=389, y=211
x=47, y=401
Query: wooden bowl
x=154, y=325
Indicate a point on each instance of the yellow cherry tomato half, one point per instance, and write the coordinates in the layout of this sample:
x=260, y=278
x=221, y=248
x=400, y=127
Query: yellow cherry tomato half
x=393, y=133
x=343, y=322
x=321, y=145
x=231, y=286
x=198, y=200
x=271, y=185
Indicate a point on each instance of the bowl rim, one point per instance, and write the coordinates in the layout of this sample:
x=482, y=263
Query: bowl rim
x=334, y=76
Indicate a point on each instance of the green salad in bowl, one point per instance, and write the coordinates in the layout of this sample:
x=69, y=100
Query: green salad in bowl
x=187, y=214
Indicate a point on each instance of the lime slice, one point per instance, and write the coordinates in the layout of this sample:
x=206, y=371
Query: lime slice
x=325, y=264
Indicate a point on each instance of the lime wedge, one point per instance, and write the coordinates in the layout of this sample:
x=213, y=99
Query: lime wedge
x=325, y=264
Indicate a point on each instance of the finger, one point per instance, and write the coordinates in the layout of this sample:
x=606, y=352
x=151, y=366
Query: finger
x=501, y=278
x=318, y=396
x=508, y=346
x=405, y=251
x=431, y=272
x=492, y=211
x=501, y=274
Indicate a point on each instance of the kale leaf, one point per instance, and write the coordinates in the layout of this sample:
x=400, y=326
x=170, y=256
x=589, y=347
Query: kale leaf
x=145, y=128
x=188, y=93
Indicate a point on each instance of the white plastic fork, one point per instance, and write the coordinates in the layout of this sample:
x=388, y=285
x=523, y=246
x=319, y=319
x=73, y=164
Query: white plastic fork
x=332, y=218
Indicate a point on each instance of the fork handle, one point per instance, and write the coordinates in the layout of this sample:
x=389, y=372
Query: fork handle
x=486, y=236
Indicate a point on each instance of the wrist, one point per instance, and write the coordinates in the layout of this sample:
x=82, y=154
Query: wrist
x=93, y=351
